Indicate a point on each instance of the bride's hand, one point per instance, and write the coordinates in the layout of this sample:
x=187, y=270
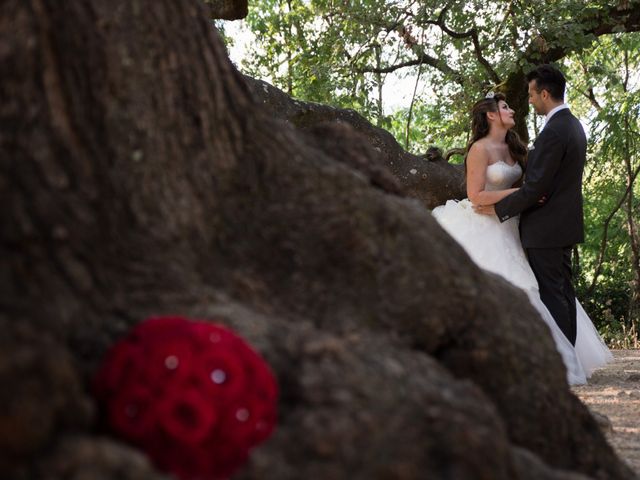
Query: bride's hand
x=485, y=209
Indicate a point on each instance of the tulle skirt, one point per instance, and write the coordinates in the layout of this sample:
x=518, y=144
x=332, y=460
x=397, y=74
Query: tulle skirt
x=496, y=247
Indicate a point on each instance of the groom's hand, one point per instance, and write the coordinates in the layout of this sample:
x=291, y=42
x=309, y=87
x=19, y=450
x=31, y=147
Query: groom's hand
x=485, y=209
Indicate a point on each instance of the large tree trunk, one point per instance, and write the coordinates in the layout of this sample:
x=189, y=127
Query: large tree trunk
x=518, y=98
x=138, y=177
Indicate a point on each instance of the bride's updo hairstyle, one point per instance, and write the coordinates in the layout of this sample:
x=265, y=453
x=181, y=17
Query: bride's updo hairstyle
x=480, y=129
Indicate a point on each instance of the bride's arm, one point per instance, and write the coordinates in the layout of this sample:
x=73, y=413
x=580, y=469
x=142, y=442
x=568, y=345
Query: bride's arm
x=477, y=163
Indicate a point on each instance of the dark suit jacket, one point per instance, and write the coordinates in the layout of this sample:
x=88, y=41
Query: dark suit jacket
x=554, y=170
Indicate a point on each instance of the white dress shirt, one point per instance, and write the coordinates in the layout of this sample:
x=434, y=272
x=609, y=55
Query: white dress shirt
x=553, y=111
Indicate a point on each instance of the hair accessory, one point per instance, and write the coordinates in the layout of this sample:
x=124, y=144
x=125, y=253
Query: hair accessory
x=490, y=95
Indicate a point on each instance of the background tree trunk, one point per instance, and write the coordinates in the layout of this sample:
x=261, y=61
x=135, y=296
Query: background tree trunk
x=139, y=177
x=429, y=178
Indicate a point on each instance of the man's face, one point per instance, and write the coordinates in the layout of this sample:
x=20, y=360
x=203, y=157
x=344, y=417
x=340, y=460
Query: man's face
x=536, y=98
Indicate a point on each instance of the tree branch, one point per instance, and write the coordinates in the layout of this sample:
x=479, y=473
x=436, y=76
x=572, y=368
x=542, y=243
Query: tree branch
x=422, y=59
x=592, y=98
x=487, y=66
x=440, y=22
x=473, y=34
x=589, y=94
x=627, y=16
x=439, y=64
x=454, y=151
x=605, y=234
x=621, y=17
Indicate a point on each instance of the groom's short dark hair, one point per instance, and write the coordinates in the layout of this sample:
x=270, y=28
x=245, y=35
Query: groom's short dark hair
x=549, y=78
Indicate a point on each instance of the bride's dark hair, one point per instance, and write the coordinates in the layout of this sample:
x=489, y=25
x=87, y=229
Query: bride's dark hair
x=480, y=129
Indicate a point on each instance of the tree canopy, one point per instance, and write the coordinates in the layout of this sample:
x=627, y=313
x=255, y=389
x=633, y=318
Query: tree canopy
x=450, y=54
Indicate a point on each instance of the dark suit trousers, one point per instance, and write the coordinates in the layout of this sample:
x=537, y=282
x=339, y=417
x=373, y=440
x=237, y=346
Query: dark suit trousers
x=552, y=268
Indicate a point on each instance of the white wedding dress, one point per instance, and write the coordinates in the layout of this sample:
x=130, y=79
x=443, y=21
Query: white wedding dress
x=496, y=247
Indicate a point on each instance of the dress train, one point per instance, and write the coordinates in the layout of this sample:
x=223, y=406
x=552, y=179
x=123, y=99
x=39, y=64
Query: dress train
x=496, y=247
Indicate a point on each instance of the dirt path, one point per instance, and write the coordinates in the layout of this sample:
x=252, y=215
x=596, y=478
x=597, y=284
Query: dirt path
x=614, y=391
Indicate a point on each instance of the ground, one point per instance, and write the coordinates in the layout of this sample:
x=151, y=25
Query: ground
x=614, y=392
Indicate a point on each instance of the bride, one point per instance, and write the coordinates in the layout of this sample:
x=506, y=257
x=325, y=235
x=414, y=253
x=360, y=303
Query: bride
x=494, y=165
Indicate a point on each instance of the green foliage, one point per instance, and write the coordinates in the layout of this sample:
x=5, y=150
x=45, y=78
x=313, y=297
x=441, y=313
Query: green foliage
x=344, y=53
x=606, y=86
x=340, y=52
x=312, y=49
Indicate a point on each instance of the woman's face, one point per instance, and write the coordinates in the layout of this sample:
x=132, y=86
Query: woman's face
x=505, y=114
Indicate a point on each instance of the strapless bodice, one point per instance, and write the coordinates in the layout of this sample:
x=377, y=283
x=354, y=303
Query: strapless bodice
x=501, y=175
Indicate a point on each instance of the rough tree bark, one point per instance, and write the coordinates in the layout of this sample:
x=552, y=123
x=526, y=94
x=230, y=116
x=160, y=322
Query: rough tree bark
x=430, y=178
x=139, y=177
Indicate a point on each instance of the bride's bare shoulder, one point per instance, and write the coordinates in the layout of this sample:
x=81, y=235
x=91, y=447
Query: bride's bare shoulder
x=478, y=150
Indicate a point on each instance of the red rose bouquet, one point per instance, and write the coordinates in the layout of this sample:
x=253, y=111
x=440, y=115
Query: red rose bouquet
x=193, y=395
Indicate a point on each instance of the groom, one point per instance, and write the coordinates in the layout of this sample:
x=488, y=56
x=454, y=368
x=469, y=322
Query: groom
x=554, y=172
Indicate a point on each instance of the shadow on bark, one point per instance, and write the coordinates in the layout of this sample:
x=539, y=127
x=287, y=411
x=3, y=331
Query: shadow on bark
x=139, y=177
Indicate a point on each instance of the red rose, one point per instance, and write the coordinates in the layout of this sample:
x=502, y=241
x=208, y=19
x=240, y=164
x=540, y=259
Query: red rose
x=250, y=421
x=264, y=418
x=222, y=374
x=169, y=358
x=186, y=416
x=159, y=327
x=132, y=412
